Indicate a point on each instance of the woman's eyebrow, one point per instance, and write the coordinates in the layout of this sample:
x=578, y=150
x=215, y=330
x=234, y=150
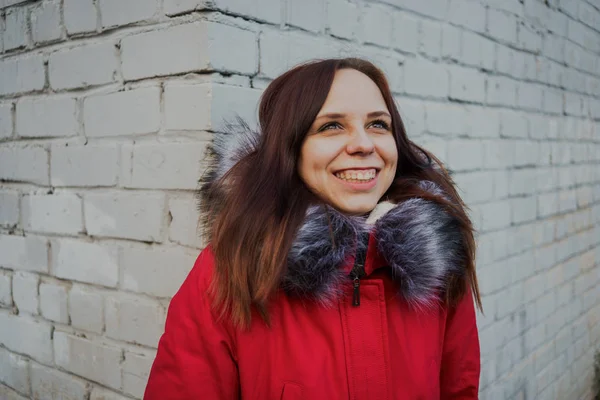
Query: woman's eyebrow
x=369, y=115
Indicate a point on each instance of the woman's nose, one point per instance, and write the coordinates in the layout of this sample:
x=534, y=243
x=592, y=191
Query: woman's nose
x=360, y=142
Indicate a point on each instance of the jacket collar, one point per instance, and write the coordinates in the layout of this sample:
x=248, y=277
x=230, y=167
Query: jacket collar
x=416, y=238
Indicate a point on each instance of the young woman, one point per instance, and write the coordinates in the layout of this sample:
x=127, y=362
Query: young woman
x=341, y=258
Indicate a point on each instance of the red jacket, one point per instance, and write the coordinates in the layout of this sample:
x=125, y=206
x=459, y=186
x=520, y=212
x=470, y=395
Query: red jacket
x=381, y=349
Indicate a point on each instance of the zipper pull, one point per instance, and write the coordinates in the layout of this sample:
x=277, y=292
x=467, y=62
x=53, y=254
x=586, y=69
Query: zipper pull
x=356, y=294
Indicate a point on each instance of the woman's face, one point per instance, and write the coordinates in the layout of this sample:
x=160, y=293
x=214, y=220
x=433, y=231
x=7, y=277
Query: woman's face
x=349, y=156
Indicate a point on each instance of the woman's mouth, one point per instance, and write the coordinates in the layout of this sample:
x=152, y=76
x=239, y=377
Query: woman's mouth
x=357, y=175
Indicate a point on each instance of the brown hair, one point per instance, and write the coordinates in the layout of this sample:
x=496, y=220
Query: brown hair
x=254, y=228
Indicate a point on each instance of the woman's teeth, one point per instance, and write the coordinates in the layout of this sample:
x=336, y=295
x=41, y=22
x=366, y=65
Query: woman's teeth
x=363, y=175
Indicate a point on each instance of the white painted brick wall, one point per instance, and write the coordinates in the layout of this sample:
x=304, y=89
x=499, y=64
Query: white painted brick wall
x=47, y=116
x=46, y=382
x=87, y=65
x=86, y=309
x=135, y=111
x=80, y=16
x=56, y=213
x=53, y=302
x=106, y=109
x=25, y=291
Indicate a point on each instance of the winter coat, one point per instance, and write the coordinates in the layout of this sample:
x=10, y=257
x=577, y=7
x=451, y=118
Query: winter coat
x=354, y=319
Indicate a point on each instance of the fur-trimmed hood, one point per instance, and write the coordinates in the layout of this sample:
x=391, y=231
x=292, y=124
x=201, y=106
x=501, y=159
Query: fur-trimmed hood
x=417, y=238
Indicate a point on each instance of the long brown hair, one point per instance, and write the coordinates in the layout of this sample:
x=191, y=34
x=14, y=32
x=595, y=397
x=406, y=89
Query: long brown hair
x=267, y=201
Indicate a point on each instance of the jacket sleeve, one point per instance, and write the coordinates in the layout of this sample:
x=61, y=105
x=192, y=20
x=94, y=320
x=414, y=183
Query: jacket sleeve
x=195, y=357
x=459, y=375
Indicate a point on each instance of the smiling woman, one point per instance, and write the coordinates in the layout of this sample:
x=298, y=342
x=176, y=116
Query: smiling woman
x=349, y=155
x=341, y=258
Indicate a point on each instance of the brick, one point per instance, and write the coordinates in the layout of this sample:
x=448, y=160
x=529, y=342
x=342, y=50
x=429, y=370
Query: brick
x=27, y=336
x=6, y=121
x=413, y=116
x=554, y=48
x=498, y=153
x=405, y=32
x=6, y=289
x=262, y=10
x=468, y=14
x=505, y=60
x=155, y=271
x=28, y=253
x=9, y=3
x=86, y=309
x=527, y=154
x=375, y=25
x=465, y=155
x=25, y=291
x=99, y=393
x=187, y=106
x=85, y=262
x=501, y=91
x=53, y=302
x=29, y=164
x=83, y=66
x=430, y=38
x=116, y=13
x=16, y=31
x=553, y=101
x=481, y=51
x=51, y=384
x=502, y=26
x=46, y=23
x=547, y=204
x=446, y=119
x=187, y=48
x=483, y=122
x=522, y=181
x=129, y=216
x=496, y=215
x=80, y=16
x=529, y=96
x=94, y=361
x=135, y=111
x=476, y=187
x=134, y=320
x=436, y=8
x=184, y=215
x=21, y=75
x=14, y=371
x=466, y=84
x=342, y=18
x=529, y=39
x=56, y=213
x=9, y=212
x=452, y=42
x=589, y=15
x=166, y=165
x=136, y=369
x=229, y=101
x=306, y=15
x=87, y=165
x=46, y=117
x=513, y=124
x=282, y=50
x=425, y=78
x=523, y=209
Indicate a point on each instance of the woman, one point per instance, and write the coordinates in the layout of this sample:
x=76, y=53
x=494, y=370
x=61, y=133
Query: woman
x=341, y=259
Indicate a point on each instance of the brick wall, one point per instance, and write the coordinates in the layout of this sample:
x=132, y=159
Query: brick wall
x=106, y=107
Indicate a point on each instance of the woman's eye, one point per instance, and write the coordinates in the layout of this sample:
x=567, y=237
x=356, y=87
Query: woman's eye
x=380, y=124
x=329, y=125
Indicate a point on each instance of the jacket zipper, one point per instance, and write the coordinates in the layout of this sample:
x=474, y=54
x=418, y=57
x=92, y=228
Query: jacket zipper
x=358, y=272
